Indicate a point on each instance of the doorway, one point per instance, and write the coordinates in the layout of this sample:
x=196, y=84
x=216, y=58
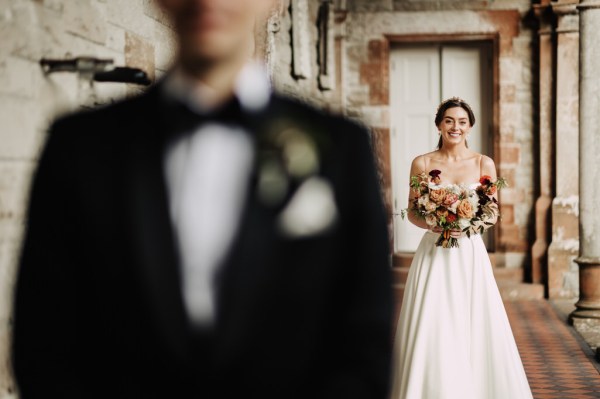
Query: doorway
x=421, y=76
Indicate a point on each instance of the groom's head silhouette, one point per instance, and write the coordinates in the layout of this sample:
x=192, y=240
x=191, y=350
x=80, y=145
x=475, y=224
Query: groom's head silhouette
x=214, y=32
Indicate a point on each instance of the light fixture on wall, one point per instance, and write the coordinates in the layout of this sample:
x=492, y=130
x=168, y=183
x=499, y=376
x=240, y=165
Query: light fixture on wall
x=96, y=69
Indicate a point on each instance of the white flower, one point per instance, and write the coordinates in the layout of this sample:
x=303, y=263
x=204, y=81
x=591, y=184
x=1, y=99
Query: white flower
x=430, y=206
x=311, y=210
x=423, y=199
x=474, y=200
x=431, y=220
x=454, y=189
x=464, y=223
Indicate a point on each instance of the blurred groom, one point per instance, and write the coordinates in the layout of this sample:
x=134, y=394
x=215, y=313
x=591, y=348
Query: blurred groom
x=207, y=239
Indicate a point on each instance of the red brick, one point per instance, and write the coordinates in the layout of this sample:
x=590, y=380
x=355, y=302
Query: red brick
x=510, y=155
x=508, y=213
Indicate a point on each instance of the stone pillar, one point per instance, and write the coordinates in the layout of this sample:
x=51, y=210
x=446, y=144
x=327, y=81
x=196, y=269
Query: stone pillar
x=562, y=270
x=546, y=90
x=588, y=306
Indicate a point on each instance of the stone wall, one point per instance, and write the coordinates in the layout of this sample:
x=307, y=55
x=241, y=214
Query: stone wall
x=131, y=32
x=280, y=54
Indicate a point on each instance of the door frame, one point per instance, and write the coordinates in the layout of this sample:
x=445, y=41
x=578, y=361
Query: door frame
x=424, y=39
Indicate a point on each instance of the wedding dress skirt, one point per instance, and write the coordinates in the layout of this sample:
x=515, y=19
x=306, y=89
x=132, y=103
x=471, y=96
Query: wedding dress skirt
x=453, y=339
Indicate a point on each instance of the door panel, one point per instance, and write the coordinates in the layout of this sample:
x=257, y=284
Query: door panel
x=462, y=77
x=414, y=96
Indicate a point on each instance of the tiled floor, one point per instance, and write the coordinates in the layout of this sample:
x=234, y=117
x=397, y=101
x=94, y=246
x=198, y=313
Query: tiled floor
x=556, y=365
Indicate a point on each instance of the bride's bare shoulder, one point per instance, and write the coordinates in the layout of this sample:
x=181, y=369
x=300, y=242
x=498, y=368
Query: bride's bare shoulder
x=487, y=161
x=488, y=167
x=419, y=164
x=425, y=157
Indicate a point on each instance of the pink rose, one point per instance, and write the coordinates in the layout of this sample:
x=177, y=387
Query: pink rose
x=450, y=199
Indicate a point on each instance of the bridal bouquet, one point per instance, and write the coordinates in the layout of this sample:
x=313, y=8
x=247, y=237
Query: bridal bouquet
x=454, y=206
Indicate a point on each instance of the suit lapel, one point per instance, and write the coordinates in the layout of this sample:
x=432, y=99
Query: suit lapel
x=153, y=237
x=248, y=271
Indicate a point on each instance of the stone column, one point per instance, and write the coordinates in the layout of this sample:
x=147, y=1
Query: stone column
x=588, y=306
x=546, y=167
x=562, y=270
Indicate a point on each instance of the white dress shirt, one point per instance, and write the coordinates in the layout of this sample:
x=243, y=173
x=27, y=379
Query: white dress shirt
x=207, y=174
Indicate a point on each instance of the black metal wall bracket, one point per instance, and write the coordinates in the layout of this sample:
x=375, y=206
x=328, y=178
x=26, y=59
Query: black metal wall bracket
x=99, y=70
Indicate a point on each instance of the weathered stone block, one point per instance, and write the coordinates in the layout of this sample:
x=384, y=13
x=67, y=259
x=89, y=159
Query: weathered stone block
x=129, y=15
x=139, y=53
x=154, y=11
x=510, y=154
x=18, y=77
x=7, y=386
x=21, y=126
x=562, y=270
x=14, y=189
x=165, y=47
x=85, y=18
x=508, y=93
x=376, y=116
x=508, y=213
x=115, y=38
x=370, y=5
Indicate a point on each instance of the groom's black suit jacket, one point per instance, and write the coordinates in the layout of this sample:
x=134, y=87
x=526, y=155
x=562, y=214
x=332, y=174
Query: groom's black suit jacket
x=98, y=306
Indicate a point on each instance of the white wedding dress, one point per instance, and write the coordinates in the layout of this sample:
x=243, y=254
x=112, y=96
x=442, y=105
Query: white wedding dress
x=453, y=339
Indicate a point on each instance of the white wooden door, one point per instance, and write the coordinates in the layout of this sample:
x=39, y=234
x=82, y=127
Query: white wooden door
x=421, y=77
x=464, y=76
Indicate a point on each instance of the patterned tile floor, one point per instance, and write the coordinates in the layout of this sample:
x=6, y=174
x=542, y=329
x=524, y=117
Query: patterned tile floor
x=558, y=365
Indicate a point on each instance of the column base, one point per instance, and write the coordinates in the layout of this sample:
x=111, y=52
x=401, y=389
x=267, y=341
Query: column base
x=581, y=313
x=588, y=306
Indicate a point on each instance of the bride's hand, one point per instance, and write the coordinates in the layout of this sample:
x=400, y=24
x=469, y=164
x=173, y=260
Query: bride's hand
x=454, y=233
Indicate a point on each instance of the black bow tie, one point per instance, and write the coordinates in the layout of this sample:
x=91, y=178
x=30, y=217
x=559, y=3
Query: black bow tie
x=180, y=119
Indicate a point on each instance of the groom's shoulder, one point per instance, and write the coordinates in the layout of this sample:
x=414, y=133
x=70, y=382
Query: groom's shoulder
x=106, y=118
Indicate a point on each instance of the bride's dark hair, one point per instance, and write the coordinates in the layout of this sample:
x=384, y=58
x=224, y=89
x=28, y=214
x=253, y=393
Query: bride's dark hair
x=452, y=103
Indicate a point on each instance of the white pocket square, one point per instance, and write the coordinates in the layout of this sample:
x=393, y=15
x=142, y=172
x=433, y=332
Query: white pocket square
x=311, y=210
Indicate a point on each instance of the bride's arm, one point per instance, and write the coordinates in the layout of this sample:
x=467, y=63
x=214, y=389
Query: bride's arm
x=417, y=167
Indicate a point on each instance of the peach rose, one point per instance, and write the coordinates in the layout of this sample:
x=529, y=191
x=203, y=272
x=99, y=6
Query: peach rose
x=450, y=199
x=438, y=195
x=465, y=210
x=491, y=190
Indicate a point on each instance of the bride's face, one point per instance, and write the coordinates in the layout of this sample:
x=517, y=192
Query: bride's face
x=455, y=126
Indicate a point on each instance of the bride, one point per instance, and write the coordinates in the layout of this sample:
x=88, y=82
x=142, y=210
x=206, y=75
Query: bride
x=453, y=339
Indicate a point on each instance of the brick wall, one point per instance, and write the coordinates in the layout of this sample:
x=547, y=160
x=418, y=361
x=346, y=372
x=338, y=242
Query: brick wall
x=131, y=32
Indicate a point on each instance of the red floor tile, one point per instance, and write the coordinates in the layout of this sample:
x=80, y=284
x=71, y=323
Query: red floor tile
x=556, y=365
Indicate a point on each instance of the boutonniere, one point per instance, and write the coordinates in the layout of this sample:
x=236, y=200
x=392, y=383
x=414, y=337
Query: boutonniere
x=290, y=159
x=288, y=152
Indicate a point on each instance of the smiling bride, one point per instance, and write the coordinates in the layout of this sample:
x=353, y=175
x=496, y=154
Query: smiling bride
x=453, y=338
